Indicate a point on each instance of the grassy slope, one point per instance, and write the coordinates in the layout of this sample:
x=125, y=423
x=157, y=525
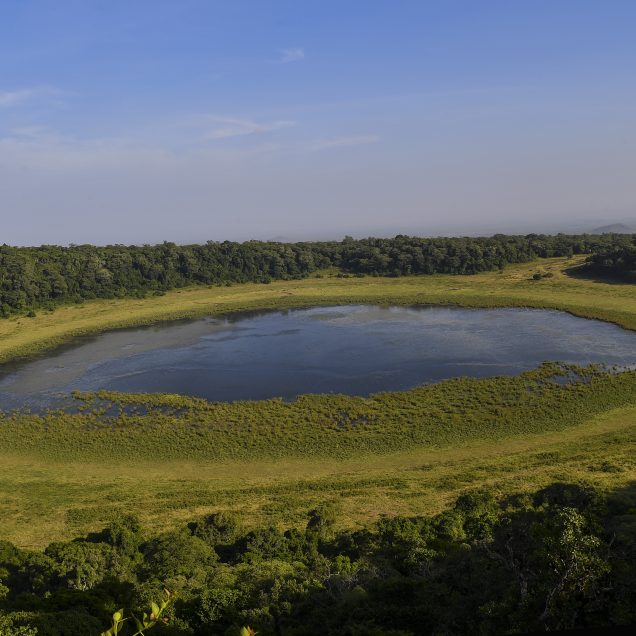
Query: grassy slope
x=53, y=490
x=613, y=302
x=441, y=415
x=43, y=500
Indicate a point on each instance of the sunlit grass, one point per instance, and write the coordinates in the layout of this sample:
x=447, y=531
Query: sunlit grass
x=513, y=287
x=43, y=500
x=406, y=452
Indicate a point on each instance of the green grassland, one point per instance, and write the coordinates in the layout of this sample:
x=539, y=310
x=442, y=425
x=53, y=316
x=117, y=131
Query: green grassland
x=171, y=458
x=512, y=287
x=42, y=500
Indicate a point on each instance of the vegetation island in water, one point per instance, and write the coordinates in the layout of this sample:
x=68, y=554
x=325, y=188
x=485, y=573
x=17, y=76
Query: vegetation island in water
x=492, y=506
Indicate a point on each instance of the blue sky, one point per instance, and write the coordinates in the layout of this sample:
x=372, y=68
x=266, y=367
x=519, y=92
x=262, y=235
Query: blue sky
x=143, y=120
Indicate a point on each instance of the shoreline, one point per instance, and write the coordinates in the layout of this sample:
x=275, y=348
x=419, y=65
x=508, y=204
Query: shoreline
x=31, y=338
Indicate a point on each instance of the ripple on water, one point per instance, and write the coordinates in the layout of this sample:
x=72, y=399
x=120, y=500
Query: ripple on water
x=351, y=349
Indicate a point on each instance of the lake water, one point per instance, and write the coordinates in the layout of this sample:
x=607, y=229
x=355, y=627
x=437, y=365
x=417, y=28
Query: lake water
x=352, y=349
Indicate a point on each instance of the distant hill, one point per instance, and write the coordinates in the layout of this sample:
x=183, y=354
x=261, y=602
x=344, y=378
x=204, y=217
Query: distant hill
x=614, y=228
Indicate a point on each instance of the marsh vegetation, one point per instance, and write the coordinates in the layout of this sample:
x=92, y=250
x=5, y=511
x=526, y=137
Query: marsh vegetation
x=339, y=511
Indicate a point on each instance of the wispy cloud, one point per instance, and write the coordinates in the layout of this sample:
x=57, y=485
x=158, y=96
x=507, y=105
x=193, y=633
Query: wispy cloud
x=12, y=98
x=292, y=55
x=30, y=132
x=227, y=127
x=343, y=142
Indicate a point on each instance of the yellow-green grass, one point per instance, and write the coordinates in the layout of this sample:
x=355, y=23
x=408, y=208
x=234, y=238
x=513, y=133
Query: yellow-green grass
x=166, y=428
x=513, y=287
x=50, y=490
x=43, y=500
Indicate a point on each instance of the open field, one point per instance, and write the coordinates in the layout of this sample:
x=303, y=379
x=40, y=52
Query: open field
x=43, y=500
x=513, y=287
x=410, y=452
x=407, y=452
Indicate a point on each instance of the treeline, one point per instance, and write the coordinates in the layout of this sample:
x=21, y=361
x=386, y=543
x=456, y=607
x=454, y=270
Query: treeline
x=562, y=558
x=40, y=277
x=616, y=259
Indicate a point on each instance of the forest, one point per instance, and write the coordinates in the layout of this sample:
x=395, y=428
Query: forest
x=555, y=553
x=616, y=259
x=41, y=277
x=500, y=559
x=562, y=557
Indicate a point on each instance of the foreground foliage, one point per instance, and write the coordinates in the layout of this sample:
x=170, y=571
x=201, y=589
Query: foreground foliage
x=147, y=621
x=561, y=558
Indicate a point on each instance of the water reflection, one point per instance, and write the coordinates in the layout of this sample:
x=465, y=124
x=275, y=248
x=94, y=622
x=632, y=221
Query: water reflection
x=353, y=349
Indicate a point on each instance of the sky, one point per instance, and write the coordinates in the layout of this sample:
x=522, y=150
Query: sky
x=139, y=121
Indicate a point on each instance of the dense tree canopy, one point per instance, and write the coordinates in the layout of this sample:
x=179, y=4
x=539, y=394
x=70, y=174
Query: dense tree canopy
x=34, y=277
x=562, y=558
x=616, y=259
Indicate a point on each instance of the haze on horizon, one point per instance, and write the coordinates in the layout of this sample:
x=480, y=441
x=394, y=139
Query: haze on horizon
x=193, y=120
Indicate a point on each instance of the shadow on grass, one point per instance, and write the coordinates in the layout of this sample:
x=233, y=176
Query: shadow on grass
x=589, y=273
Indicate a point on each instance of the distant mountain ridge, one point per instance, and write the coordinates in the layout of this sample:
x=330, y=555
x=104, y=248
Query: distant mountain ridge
x=614, y=228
